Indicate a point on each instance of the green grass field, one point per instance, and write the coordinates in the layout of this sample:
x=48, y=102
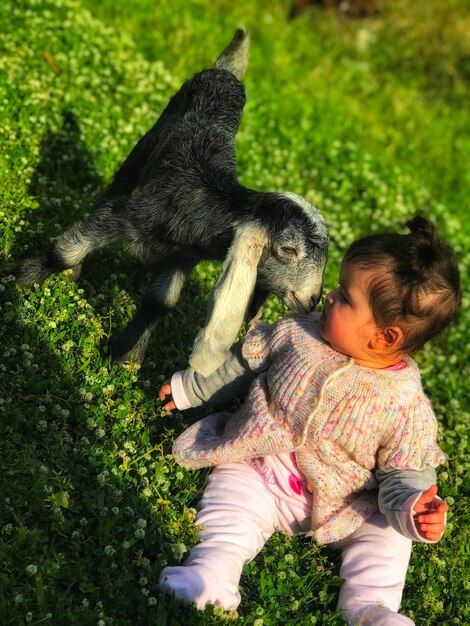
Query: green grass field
x=366, y=118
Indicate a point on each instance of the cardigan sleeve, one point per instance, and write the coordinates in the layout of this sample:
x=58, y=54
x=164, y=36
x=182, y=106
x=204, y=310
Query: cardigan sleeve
x=231, y=379
x=398, y=492
x=412, y=442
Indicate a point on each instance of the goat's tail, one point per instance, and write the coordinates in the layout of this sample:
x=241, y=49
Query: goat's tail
x=235, y=56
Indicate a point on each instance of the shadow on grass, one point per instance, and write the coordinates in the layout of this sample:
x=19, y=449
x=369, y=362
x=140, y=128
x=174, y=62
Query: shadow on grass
x=64, y=510
x=69, y=545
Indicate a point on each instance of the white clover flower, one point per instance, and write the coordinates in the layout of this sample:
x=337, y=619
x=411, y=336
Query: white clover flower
x=108, y=390
x=152, y=601
x=31, y=570
x=192, y=513
x=139, y=533
x=141, y=523
x=179, y=549
x=109, y=551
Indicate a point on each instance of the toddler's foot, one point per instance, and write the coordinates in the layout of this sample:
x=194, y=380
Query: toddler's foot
x=381, y=616
x=198, y=585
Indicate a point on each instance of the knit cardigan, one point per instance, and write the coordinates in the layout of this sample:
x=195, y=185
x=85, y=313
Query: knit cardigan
x=342, y=419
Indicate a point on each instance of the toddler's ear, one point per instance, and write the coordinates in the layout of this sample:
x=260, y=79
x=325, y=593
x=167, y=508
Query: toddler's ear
x=388, y=338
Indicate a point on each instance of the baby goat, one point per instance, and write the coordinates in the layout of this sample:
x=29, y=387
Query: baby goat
x=176, y=200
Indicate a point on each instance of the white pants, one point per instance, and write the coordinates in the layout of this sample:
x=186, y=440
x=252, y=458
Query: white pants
x=237, y=515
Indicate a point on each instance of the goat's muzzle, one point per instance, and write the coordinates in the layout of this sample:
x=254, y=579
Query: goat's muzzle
x=301, y=305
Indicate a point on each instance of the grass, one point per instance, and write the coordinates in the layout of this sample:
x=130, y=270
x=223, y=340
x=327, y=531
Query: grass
x=366, y=118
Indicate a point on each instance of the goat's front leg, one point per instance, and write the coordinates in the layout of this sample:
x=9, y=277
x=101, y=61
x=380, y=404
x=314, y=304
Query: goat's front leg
x=161, y=296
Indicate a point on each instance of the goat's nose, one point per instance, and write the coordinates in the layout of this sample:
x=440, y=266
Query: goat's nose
x=315, y=300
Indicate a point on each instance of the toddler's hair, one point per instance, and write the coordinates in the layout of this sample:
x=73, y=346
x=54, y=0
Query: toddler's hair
x=419, y=287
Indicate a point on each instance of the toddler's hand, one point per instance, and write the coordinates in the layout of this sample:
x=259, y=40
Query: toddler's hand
x=165, y=396
x=429, y=515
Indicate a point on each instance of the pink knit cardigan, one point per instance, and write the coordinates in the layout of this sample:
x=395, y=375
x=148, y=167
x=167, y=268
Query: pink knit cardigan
x=342, y=419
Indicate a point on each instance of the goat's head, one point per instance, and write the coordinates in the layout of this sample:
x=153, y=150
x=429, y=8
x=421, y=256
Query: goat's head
x=282, y=248
x=293, y=261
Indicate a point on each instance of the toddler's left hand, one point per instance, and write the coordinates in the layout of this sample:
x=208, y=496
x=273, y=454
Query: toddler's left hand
x=429, y=515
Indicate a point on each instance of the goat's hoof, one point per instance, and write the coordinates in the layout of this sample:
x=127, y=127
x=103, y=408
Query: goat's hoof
x=127, y=361
x=130, y=366
x=130, y=360
x=73, y=273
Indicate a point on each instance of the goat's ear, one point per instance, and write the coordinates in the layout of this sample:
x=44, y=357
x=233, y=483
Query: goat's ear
x=230, y=299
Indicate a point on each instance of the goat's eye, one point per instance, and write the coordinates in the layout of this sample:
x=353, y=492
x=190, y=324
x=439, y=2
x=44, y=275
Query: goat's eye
x=289, y=251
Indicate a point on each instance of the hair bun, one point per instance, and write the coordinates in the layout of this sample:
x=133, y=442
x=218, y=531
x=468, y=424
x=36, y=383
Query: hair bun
x=419, y=225
x=424, y=253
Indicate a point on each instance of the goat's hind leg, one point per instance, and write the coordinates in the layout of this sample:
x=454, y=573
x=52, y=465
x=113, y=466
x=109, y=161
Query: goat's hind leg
x=68, y=251
x=161, y=297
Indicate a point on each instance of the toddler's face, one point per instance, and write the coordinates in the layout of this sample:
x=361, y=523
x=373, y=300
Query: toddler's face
x=347, y=322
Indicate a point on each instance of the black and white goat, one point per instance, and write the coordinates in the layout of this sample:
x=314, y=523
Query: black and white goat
x=176, y=200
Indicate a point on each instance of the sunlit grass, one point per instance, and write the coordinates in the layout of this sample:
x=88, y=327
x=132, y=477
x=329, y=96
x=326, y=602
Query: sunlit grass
x=367, y=119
